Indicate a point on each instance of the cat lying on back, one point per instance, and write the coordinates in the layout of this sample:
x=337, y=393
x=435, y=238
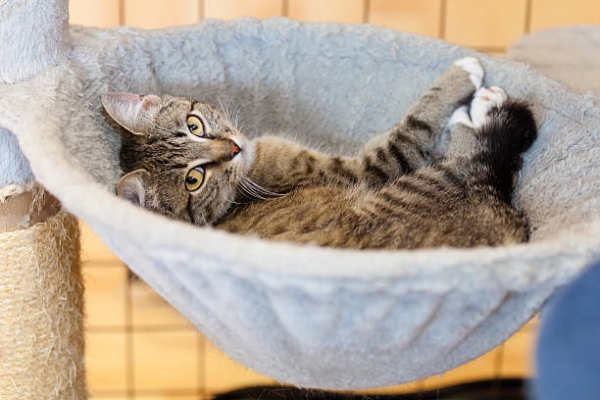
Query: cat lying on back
x=183, y=159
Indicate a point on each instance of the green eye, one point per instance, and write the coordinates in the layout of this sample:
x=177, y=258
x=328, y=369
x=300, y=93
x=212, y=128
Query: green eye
x=195, y=126
x=194, y=179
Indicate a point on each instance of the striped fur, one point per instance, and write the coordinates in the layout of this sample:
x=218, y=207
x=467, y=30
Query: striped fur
x=396, y=193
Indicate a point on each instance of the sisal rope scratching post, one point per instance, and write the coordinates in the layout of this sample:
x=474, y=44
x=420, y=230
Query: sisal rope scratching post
x=41, y=299
x=41, y=290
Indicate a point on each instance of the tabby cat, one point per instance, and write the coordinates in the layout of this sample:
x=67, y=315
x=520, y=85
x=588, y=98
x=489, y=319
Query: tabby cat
x=184, y=159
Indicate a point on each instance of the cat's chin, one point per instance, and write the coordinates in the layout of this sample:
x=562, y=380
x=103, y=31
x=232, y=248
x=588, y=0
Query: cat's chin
x=246, y=156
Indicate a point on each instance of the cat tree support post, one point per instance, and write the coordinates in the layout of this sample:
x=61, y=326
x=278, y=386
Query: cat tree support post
x=41, y=292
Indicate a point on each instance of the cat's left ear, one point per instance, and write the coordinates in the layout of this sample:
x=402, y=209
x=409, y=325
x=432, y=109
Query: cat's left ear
x=133, y=112
x=132, y=187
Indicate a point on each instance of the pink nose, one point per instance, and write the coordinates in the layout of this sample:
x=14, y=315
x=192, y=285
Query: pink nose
x=234, y=149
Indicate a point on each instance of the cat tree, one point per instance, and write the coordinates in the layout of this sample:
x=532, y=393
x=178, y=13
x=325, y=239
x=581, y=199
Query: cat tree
x=304, y=315
x=41, y=292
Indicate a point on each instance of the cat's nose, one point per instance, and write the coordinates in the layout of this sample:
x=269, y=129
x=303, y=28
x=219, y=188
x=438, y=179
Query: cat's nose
x=234, y=148
x=223, y=150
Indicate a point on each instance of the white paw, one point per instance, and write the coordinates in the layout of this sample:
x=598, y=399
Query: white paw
x=485, y=99
x=461, y=116
x=473, y=67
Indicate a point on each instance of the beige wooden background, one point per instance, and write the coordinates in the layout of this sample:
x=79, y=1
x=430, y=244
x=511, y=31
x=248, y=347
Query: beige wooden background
x=486, y=25
x=140, y=348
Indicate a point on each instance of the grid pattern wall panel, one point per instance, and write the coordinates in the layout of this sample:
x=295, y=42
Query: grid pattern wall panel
x=485, y=25
x=347, y=11
x=100, y=13
x=422, y=17
x=554, y=13
x=161, y=13
x=229, y=9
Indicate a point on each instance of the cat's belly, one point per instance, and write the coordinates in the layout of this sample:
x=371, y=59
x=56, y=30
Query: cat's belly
x=358, y=218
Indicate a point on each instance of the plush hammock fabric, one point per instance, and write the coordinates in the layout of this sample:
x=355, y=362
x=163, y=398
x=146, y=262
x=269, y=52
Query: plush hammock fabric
x=306, y=315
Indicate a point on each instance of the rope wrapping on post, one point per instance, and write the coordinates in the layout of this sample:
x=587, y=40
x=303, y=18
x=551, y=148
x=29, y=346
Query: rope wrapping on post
x=41, y=305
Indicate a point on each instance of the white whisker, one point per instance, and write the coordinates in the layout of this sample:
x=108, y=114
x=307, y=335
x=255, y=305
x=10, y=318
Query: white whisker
x=237, y=203
x=231, y=114
x=255, y=191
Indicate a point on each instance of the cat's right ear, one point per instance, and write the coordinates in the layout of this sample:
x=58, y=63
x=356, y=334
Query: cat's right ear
x=132, y=187
x=133, y=112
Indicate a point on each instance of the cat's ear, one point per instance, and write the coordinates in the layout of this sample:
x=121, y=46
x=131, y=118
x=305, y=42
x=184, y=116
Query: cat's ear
x=132, y=187
x=133, y=112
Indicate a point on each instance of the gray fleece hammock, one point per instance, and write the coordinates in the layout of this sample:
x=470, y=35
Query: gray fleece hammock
x=305, y=315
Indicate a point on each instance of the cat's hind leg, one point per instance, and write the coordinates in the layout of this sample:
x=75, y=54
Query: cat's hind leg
x=413, y=143
x=487, y=139
x=465, y=122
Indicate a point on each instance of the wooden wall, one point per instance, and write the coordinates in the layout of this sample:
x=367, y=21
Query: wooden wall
x=486, y=25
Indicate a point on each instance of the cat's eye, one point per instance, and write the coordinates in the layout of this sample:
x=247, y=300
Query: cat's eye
x=195, y=126
x=194, y=178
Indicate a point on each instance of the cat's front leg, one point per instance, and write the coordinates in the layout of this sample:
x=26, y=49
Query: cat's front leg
x=280, y=165
x=412, y=144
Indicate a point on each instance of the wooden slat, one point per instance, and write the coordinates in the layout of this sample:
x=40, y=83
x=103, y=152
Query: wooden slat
x=518, y=354
x=485, y=23
x=554, y=13
x=224, y=374
x=229, y=9
x=349, y=11
x=100, y=13
x=483, y=367
x=105, y=362
x=160, y=13
x=422, y=17
x=165, y=360
x=105, y=296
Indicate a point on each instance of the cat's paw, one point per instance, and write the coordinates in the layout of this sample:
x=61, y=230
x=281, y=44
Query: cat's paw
x=474, y=68
x=485, y=99
x=461, y=116
x=477, y=113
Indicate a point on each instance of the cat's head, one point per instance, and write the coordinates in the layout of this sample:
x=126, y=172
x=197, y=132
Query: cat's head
x=181, y=158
